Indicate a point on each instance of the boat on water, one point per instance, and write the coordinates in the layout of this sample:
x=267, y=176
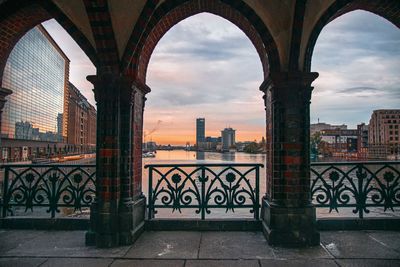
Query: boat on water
x=149, y=154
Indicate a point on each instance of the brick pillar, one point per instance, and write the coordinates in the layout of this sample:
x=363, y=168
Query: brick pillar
x=287, y=213
x=117, y=215
x=137, y=124
x=127, y=231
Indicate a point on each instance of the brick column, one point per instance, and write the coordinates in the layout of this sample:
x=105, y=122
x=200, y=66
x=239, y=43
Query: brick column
x=117, y=215
x=288, y=216
x=127, y=231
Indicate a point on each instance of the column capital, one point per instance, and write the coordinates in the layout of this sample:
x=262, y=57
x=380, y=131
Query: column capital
x=145, y=89
x=111, y=85
x=289, y=86
x=288, y=79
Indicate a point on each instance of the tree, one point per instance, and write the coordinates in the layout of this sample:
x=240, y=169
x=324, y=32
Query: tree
x=251, y=148
x=315, y=142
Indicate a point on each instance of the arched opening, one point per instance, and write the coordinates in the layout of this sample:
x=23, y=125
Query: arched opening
x=18, y=18
x=355, y=105
x=46, y=113
x=138, y=52
x=204, y=67
x=362, y=69
x=385, y=9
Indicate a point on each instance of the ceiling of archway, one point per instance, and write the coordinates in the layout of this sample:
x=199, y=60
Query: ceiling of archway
x=75, y=11
x=277, y=15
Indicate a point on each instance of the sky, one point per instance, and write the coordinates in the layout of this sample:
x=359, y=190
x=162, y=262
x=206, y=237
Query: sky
x=206, y=67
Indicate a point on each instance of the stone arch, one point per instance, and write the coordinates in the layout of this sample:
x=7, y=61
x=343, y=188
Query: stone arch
x=171, y=12
x=18, y=17
x=388, y=9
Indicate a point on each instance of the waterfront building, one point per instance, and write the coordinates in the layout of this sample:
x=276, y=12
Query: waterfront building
x=200, y=133
x=384, y=137
x=362, y=142
x=318, y=127
x=37, y=72
x=81, y=122
x=240, y=146
x=228, y=139
x=211, y=143
x=340, y=142
x=150, y=146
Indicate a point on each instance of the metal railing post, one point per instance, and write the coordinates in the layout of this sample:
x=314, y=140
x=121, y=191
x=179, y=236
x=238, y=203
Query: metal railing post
x=203, y=193
x=257, y=204
x=360, y=200
x=150, y=196
x=5, y=192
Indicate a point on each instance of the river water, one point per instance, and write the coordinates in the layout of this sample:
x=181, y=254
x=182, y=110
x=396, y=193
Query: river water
x=182, y=157
x=192, y=157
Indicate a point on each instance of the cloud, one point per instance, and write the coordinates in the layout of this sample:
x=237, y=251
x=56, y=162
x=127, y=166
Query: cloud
x=359, y=89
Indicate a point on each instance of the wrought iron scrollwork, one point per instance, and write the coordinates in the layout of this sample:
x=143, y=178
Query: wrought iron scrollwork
x=51, y=186
x=204, y=187
x=356, y=185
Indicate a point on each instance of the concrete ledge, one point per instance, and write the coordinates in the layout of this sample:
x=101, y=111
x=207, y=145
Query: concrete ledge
x=203, y=225
x=323, y=224
x=44, y=223
x=392, y=224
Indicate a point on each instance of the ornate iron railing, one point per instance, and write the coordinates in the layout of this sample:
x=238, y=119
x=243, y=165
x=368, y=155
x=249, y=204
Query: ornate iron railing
x=50, y=186
x=358, y=185
x=204, y=187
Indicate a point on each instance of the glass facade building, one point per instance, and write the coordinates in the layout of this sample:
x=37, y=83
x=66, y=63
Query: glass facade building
x=37, y=72
x=200, y=132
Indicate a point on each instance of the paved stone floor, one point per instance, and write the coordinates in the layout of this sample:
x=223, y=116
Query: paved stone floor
x=189, y=249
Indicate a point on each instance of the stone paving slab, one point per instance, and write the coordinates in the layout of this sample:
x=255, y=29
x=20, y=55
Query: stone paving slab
x=234, y=245
x=164, y=244
x=368, y=263
x=13, y=239
x=77, y=262
x=148, y=263
x=317, y=252
x=222, y=263
x=299, y=263
x=191, y=249
x=21, y=262
x=59, y=244
x=390, y=239
x=356, y=244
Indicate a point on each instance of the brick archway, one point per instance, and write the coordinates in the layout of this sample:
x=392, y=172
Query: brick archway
x=171, y=12
x=388, y=9
x=18, y=17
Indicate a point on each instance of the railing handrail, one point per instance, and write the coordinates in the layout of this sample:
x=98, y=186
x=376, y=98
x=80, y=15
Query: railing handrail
x=46, y=165
x=205, y=164
x=355, y=163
